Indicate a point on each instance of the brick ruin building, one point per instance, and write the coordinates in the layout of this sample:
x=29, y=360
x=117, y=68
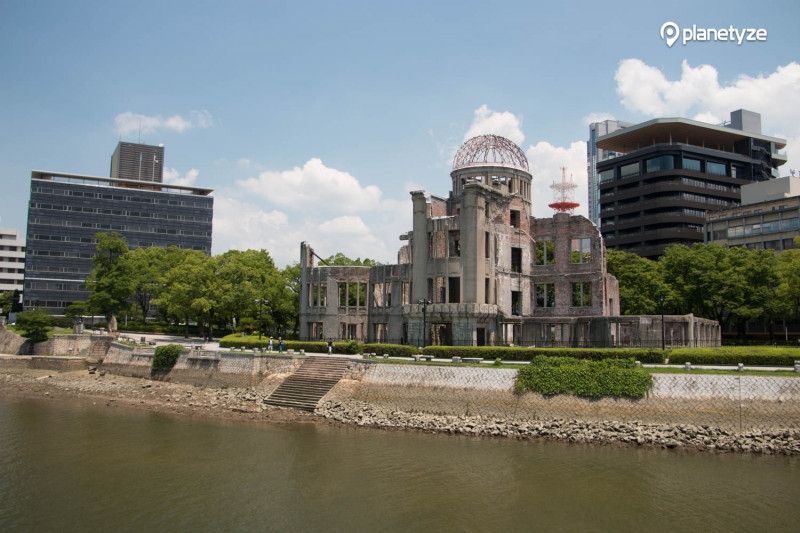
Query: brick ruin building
x=478, y=269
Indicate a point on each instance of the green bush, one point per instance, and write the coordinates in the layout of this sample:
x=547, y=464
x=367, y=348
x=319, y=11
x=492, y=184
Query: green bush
x=34, y=324
x=615, y=378
x=732, y=355
x=165, y=357
x=394, y=350
x=519, y=353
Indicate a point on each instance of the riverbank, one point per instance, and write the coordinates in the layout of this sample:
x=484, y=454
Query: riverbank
x=354, y=403
x=700, y=438
x=239, y=403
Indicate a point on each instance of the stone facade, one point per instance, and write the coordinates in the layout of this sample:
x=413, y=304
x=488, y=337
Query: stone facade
x=476, y=269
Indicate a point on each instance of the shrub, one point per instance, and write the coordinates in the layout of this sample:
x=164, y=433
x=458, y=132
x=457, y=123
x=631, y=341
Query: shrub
x=732, y=355
x=616, y=378
x=34, y=324
x=165, y=357
x=515, y=353
x=394, y=350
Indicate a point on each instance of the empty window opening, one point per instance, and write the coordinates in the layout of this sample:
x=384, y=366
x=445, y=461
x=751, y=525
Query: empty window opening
x=516, y=259
x=454, y=290
x=516, y=303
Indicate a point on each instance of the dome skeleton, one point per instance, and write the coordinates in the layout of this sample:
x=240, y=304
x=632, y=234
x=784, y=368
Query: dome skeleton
x=490, y=150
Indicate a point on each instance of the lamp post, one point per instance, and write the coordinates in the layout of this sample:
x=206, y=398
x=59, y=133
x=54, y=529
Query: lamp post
x=424, y=303
x=661, y=304
x=261, y=302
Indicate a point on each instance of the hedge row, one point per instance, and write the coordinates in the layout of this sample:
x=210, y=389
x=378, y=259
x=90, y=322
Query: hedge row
x=252, y=341
x=726, y=355
x=731, y=355
x=518, y=353
x=393, y=350
x=584, y=378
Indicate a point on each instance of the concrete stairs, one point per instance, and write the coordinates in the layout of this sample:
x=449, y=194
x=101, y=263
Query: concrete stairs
x=309, y=383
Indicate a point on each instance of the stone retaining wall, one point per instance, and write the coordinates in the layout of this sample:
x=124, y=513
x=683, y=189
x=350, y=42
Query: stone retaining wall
x=715, y=400
x=11, y=343
x=74, y=345
x=42, y=362
x=201, y=368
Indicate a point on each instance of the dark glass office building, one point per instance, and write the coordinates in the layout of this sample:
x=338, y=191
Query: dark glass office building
x=67, y=210
x=673, y=171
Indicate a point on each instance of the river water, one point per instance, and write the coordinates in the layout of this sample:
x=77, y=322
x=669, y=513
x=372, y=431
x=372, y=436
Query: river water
x=71, y=468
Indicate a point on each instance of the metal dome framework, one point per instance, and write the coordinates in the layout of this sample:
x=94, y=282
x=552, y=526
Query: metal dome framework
x=490, y=150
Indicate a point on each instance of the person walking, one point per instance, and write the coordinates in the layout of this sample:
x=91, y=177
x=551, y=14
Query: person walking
x=281, y=345
x=270, y=347
x=330, y=346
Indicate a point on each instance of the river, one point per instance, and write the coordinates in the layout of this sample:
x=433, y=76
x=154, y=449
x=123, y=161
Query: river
x=77, y=468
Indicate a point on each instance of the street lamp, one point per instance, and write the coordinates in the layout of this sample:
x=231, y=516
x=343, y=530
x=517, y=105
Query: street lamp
x=261, y=302
x=424, y=303
x=661, y=304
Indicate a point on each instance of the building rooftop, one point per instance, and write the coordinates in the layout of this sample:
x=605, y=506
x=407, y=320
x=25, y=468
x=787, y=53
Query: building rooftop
x=105, y=181
x=680, y=130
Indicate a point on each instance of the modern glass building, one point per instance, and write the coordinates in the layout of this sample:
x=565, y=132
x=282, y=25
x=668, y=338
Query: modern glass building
x=675, y=170
x=595, y=154
x=67, y=210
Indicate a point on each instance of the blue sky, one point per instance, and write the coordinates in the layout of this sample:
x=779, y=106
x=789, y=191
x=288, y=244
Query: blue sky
x=313, y=120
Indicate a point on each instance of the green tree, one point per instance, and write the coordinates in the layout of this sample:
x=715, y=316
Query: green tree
x=76, y=310
x=6, y=297
x=109, y=282
x=189, y=290
x=641, y=284
x=339, y=259
x=34, y=324
x=148, y=268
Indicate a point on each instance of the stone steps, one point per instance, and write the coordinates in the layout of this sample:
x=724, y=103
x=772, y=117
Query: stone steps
x=306, y=386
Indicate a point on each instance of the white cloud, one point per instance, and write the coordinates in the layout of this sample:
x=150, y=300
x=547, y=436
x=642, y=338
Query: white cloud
x=546, y=161
x=503, y=123
x=174, y=177
x=698, y=92
x=591, y=118
x=327, y=207
x=314, y=186
x=128, y=123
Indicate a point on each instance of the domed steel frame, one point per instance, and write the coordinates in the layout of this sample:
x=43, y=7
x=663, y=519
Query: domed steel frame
x=490, y=150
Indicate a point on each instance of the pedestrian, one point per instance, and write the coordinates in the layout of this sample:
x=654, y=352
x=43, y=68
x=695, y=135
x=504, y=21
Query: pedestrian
x=281, y=345
x=330, y=346
x=269, y=344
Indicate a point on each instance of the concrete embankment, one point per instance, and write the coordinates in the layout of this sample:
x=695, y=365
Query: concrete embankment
x=727, y=412
x=201, y=368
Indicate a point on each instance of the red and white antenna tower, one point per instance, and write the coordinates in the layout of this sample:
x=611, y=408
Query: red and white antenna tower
x=564, y=202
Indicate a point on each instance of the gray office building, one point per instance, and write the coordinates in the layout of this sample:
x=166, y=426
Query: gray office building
x=593, y=156
x=768, y=218
x=66, y=211
x=674, y=171
x=134, y=161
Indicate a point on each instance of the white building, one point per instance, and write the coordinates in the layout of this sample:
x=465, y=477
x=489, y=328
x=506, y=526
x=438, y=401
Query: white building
x=12, y=260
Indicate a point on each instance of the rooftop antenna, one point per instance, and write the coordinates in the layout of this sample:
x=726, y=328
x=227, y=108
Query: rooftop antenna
x=563, y=191
x=140, y=132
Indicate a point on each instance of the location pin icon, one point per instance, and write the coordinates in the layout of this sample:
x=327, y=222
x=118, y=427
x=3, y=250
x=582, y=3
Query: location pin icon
x=669, y=32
